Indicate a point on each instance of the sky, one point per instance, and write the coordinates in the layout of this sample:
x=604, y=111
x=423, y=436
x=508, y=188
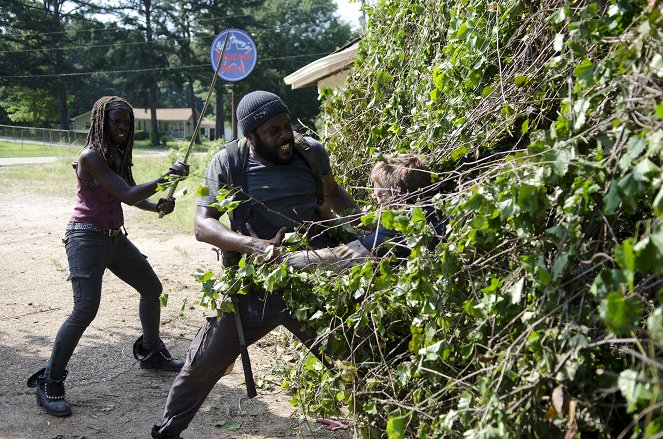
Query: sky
x=349, y=11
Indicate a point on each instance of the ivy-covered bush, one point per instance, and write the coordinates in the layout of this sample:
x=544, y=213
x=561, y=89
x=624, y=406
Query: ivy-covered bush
x=539, y=315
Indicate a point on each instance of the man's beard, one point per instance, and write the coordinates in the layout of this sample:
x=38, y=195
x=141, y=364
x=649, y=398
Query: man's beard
x=271, y=155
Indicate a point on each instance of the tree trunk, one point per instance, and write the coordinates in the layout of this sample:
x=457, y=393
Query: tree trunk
x=155, y=136
x=62, y=109
x=192, y=105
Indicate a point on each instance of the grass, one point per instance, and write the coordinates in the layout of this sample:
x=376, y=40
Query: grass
x=20, y=149
x=24, y=149
x=58, y=179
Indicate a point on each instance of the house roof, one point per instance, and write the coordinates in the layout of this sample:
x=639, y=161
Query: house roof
x=163, y=114
x=311, y=73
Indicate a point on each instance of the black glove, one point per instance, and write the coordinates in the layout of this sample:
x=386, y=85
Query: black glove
x=165, y=205
x=178, y=172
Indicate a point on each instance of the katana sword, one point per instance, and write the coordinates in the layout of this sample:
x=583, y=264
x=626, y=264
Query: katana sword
x=171, y=192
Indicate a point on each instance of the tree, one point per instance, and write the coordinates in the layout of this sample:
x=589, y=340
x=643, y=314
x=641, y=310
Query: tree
x=29, y=104
x=150, y=18
x=38, y=29
x=287, y=42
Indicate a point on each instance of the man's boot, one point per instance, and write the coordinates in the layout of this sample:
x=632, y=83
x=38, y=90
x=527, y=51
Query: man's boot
x=157, y=435
x=156, y=359
x=50, y=393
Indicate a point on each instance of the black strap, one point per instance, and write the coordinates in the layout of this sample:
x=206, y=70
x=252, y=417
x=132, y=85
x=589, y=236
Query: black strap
x=237, y=181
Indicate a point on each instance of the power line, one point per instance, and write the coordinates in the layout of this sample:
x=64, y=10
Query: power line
x=155, y=69
x=97, y=46
x=91, y=46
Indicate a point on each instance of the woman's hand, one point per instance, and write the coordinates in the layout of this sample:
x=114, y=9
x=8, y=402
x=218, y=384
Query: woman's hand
x=165, y=206
x=178, y=172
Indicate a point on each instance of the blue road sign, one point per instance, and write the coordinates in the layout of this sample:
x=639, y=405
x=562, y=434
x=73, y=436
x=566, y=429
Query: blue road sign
x=240, y=57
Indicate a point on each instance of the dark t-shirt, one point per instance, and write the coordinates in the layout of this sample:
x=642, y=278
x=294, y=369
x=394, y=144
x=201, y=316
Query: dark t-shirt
x=279, y=195
x=375, y=242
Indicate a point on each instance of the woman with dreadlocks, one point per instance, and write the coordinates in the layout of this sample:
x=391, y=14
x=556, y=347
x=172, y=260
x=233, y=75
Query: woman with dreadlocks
x=94, y=242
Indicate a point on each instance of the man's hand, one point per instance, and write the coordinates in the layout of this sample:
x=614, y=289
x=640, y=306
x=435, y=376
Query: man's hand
x=165, y=206
x=324, y=210
x=270, y=254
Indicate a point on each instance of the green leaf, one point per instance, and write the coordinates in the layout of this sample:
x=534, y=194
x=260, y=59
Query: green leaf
x=396, y=427
x=579, y=110
x=656, y=65
x=370, y=408
x=558, y=43
x=384, y=77
x=577, y=48
x=634, y=147
x=231, y=426
x=655, y=326
x=584, y=72
x=525, y=126
x=620, y=314
x=649, y=252
x=560, y=265
x=521, y=80
x=202, y=191
x=516, y=291
x=633, y=389
x=612, y=199
x=625, y=257
x=459, y=152
x=558, y=16
x=645, y=170
x=659, y=110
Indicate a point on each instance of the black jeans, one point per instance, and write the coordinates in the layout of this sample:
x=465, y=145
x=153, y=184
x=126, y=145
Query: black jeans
x=89, y=254
x=215, y=348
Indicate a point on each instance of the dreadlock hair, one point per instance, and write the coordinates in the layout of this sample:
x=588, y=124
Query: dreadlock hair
x=98, y=138
x=404, y=174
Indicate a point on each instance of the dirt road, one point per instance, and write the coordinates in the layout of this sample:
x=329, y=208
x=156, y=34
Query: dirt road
x=111, y=396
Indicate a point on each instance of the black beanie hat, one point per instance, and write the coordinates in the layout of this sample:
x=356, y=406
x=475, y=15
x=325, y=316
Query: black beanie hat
x=256, y=107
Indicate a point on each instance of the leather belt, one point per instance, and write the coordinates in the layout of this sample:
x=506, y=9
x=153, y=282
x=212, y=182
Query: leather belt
x=86, y=226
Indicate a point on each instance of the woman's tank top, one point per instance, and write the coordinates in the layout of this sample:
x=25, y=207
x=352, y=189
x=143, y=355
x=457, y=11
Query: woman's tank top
x=97, y=206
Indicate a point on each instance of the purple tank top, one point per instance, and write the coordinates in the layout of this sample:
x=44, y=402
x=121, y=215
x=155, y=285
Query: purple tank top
x=96, y=206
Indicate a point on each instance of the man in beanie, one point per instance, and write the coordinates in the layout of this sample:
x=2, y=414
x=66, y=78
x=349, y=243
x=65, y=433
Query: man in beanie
x=281, y=193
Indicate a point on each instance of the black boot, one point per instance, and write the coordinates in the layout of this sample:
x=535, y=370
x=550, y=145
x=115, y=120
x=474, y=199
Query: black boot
x=157, y=435
x=50, y=393
x=157, y=359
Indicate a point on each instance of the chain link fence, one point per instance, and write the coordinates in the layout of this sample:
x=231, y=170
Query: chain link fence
x=45, y=136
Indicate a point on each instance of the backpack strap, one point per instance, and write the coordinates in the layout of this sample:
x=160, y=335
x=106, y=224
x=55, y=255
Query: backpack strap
x=237, y=152
x=236, y=177
x=305, y=149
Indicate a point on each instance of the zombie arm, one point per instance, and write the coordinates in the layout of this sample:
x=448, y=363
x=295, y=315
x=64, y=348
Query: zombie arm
x=335, y=258
x=338, y=198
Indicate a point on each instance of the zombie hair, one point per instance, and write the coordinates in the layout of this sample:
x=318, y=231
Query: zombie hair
x=403, y=174
x=98, y=137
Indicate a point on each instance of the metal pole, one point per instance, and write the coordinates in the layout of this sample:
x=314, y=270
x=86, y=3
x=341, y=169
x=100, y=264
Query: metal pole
x=171, y=191
x=233, y=105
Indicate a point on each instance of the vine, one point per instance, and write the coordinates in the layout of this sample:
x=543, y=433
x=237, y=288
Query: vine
x=539, y=314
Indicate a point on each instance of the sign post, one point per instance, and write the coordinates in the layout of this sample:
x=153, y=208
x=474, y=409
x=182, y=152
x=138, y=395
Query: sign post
x=238, y=62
